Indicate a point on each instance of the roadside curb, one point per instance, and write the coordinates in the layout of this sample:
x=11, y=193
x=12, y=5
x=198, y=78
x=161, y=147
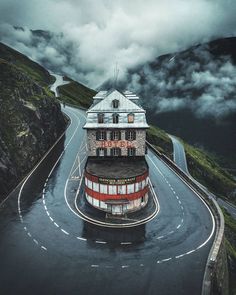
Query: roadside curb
x=218, y=216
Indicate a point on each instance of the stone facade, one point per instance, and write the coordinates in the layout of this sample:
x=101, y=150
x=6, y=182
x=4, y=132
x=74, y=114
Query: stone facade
x=139, y=143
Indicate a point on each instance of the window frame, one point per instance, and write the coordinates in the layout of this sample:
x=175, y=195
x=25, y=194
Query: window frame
x=100, y=118
x=128, y=116
x=115, y=118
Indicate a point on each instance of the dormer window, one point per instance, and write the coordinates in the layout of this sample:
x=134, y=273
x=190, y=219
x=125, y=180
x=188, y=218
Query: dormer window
x=130, y=118
x=115, y=118
x=115, y=103
x=100, y=118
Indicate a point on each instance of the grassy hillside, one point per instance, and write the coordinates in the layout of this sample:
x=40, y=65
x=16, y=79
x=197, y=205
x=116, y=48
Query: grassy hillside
x=77, y=94
x=230, y=239
x=160, y=140
x=31, y=68
x=202, y=166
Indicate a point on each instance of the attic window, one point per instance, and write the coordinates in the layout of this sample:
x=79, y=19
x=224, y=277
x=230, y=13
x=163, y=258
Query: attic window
x=100, y=118
x=115, y=103
x=115, y=118
x=130, y=118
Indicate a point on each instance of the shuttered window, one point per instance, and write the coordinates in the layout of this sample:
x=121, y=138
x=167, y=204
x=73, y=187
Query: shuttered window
x=115, y=118
x=130, y=135
x=100, y=118
x=116, y=135
x=101, y=135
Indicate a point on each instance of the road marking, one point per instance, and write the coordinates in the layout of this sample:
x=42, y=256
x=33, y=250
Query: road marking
x=44, y=248
x=82, y=239
x=189, y=252
x=94, y=265
x=51, y=218
x=56, y=224
x=29, y=234
x=178, y=226
x=167, y=259
x=100, y=242
x=125, y=266
x=65, y=232
x=36, y=242
x=126, y=243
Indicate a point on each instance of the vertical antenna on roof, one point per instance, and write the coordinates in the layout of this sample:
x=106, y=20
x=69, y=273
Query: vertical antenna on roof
x=116, y=73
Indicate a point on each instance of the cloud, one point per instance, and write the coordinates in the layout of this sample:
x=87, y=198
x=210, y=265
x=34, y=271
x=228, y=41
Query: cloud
x=87, y=38
x=97, y=34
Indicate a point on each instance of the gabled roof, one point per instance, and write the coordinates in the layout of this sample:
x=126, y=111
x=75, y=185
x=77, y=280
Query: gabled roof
x=125, y=104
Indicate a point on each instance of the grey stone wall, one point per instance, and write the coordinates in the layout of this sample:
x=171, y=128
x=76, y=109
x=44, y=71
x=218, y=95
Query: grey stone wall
x=139, y=144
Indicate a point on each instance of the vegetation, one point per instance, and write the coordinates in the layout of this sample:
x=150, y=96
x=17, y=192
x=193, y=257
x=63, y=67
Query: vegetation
x=204, y=168
x=160, y=140
x=29, y=67
x=230, y=242
x=76, y=94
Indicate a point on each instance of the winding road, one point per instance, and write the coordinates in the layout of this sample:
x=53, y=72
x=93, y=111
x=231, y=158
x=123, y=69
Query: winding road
x=46, y=248
x=180, y=160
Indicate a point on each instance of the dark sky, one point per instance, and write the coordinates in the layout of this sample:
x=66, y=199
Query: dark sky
x=129, y=32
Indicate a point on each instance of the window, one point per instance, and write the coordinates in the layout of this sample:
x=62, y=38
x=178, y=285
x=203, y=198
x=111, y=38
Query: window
x=115, y=103
x=130, y=135
x=100, y=118
x=130, y=118
x=101, y=135
x=131, y=152
x=116, y=135
x=101, y=152
x=115, y=118
x=115, y=152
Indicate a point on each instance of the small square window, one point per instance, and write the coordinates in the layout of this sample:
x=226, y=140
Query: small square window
x=131, y=118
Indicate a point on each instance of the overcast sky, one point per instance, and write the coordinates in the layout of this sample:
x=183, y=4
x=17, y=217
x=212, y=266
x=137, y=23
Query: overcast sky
x=103, y=32
x=90, y=36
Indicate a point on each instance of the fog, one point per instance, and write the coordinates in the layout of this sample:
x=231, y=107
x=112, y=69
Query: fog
x=87, y=38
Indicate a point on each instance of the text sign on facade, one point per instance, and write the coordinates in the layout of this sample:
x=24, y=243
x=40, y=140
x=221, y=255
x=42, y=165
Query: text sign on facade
x=116, y=181
x=115, y=144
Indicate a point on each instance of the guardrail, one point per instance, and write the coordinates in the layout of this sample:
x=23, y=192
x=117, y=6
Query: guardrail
x=218, y=215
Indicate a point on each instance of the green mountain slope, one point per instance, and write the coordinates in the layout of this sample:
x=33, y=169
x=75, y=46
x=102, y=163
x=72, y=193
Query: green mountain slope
x=30, y=118
x=77, y=94
x=29, y=67
x=202, y=166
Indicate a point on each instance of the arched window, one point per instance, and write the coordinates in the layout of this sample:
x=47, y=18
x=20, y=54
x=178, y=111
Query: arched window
x=100, y=118
x=115, y=103
x=130, y=118
x=115, y=118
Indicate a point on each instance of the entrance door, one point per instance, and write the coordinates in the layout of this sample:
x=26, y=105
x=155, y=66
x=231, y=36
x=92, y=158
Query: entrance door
x=116, y=209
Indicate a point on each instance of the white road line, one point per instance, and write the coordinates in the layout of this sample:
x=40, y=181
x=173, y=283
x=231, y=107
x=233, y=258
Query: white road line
x=125, y=266
x=100, y=242
x=56, y=224
x=167, y=259
x=29, y=234
x=178, y=226
x=51, y=218
x=44, y=248
x=160, y=237
x=181, y=255
x=94, y=265
x=126, y=243
x=65, y=232
x=82, y=239
x=189, y=252
x=36, y=242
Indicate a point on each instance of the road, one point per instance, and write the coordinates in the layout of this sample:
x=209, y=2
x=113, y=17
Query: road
x=47, y=249
x=180, y=160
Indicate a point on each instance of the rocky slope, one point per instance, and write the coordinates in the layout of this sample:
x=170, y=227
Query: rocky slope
x=30, y=122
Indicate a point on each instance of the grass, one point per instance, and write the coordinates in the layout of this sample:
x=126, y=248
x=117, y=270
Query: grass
x=230, y=242
x=29, y=67
x=76, y=94
x=204, y=168
x=160, y=140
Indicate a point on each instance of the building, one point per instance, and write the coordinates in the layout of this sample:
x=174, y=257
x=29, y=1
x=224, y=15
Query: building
x=116, y=172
